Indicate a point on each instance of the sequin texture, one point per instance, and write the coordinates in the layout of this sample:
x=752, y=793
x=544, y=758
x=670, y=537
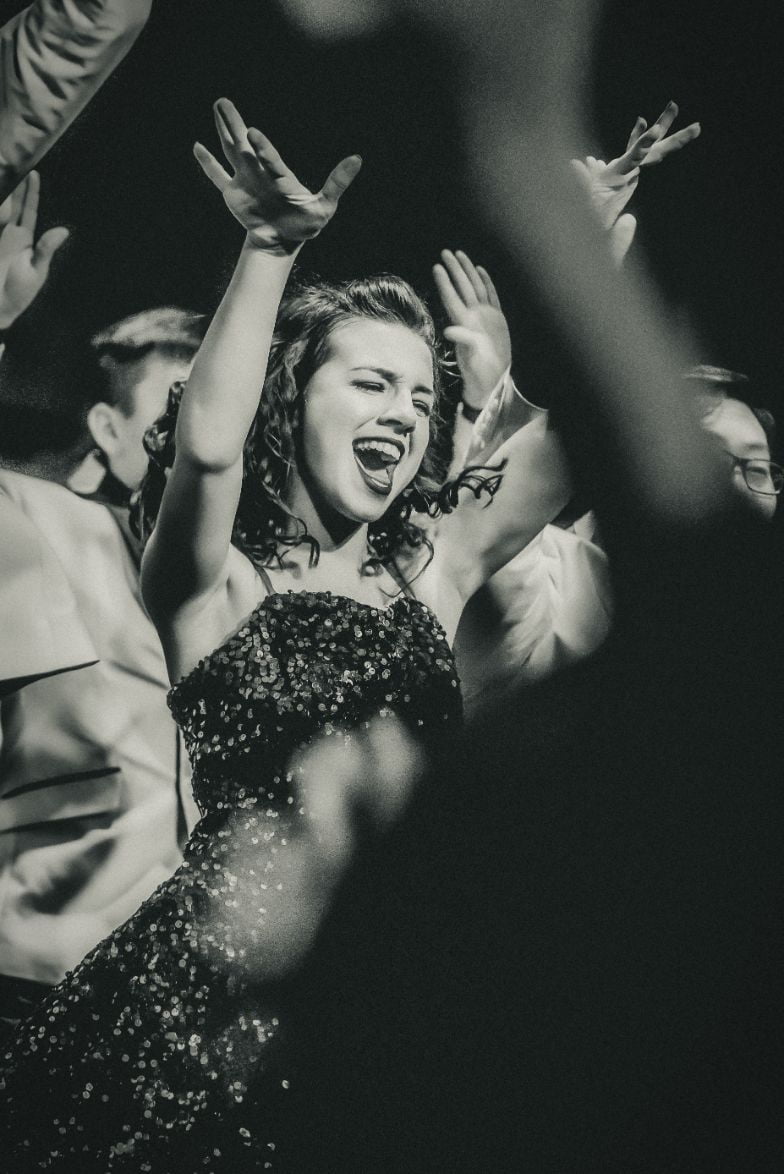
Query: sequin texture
x=161, y=1052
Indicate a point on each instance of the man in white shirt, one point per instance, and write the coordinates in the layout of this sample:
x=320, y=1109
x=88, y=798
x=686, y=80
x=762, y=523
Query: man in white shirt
x=91, y=817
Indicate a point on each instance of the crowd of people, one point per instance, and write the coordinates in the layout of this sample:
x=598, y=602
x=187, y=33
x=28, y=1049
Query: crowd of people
x=263, y=903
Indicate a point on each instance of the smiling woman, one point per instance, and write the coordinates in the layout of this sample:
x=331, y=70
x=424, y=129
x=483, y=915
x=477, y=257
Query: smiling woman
x=282, y=556
x=330, y=410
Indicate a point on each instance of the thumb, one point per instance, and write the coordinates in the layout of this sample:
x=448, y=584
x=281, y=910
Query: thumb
x=341, y=176
x=621, y=237
x=46, y=248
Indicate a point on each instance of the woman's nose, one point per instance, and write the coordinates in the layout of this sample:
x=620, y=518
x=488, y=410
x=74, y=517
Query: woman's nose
x=400, y=411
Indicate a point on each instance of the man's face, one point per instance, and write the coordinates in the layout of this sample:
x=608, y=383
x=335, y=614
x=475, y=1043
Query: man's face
x=146, y=385
x=740, y=434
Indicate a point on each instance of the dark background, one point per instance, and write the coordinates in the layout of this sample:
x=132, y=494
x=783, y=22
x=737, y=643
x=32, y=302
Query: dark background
x=147, y=228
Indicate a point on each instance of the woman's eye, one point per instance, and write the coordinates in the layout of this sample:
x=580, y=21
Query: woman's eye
x=424, y=408
x=367, y=386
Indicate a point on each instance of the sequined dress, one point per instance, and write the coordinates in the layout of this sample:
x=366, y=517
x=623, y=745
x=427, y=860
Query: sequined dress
x=162, y=1052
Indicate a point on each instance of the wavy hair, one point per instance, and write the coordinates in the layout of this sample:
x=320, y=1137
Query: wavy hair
x=264, y=526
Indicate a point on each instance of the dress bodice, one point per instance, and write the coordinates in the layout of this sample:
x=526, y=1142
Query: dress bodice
x=163, y=1050
x=304, y=663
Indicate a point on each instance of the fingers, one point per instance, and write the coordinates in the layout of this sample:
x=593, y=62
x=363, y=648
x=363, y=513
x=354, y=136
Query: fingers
x=11, y=208
x=636, y=154
x=473, y=275
x=450, y=299
x=639, y=126
x=211, y=167
x=47, y=246
x=230, y=126
x=267, y=155
x=340, y=177
x=674, y=142
x=233, y=134
x=28, y=212
x=490, y=290
x=665, y=120
x=461, y=278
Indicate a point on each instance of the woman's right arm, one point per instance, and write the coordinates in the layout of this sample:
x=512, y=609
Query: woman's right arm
x=188, y=556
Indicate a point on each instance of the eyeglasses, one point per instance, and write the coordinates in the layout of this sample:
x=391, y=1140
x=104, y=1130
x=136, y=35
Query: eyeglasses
x=760, y=476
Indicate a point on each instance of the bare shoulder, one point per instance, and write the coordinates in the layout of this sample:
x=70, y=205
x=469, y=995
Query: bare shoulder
x=204, y=623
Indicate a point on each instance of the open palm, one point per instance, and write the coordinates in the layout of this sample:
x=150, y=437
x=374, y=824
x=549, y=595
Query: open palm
x=478, y=328
x=24, y=264
x=263, y=194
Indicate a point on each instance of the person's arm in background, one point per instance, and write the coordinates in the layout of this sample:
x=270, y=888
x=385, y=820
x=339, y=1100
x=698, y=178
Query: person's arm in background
x=54, y=55
x=24, y=262
x=492, y=406
x=479, y=332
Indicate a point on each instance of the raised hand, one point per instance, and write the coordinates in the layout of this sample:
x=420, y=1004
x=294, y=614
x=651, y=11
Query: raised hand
x=478, y=327
x=611, y=185
x=275, y=209
x=24, y=264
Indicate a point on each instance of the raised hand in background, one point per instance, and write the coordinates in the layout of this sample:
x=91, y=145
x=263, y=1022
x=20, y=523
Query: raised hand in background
x=24, y=262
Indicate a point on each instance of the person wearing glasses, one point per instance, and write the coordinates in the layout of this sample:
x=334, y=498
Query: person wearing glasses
x=746, y=433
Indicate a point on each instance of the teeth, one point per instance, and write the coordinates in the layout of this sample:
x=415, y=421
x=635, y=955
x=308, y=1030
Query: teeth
x=385, y=447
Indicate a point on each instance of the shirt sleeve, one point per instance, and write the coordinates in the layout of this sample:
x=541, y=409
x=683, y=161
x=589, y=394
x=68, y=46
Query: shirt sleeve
x=505, y=412
x=54, y=55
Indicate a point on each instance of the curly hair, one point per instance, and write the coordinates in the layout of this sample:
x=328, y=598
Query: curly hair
x=264, y=526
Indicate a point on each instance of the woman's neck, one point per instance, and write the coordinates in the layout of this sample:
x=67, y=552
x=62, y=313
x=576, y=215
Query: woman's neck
x=343, y=569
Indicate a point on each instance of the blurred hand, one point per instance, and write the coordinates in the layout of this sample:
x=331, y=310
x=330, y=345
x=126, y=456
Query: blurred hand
x=348, y=786
x=263, y=194
x=24, y=264
x=478, y=327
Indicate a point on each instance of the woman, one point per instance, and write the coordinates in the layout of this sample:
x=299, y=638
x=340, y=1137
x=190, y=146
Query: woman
x=293, y=594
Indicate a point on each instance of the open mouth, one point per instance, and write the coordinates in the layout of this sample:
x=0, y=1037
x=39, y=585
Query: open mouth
x=377, y=461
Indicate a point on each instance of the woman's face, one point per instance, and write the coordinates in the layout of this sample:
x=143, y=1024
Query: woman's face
x=366, y=418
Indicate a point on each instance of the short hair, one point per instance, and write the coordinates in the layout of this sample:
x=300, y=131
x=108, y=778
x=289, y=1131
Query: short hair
x=42, y=414
x=719, y=378
x=728, y=384
x=169, y=331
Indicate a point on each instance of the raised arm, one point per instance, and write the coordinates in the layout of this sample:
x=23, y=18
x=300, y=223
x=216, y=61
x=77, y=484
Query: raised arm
x=189, y=555
x=609, y=187
x=54, y=55
x=483, y=349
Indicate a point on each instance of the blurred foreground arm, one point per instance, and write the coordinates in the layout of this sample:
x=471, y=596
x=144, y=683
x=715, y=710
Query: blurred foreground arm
x=53, y=57
x=523, y=75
